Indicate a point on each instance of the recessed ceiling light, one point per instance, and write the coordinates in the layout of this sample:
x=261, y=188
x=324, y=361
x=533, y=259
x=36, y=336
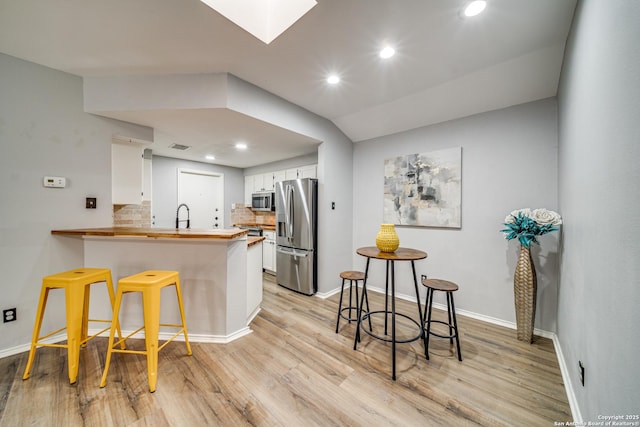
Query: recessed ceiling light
x=209, y=157
x=387, y=52
x=333, y=79
x=241, y=146
x=475, y=7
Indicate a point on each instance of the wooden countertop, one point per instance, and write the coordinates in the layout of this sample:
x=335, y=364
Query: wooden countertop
x=174, y=233
x=254, y=240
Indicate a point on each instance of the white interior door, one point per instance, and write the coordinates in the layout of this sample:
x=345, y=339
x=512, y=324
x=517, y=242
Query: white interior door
x=203, y=192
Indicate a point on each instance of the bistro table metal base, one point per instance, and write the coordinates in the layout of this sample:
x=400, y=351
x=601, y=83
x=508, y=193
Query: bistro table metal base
x=386, y=338
x=401, y=254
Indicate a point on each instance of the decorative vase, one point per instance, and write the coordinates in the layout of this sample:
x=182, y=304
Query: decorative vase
x=387, y=240
x=525, y=291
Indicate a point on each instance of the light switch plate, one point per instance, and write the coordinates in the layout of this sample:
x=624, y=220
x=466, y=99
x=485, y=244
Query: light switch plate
x=91, y=203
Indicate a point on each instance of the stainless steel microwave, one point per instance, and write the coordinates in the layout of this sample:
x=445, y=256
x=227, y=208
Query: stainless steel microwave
x=263, y=201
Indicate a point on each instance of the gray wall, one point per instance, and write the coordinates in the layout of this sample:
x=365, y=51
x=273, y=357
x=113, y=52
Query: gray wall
x=44, y=131
x=165, y=188
x=509, y=161
x=599, y=134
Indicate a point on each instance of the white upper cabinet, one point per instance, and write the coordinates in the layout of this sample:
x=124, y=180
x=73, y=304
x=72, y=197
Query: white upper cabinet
x=308, y=171
x=291, y=174
x=258, y=182
x=127, y=173
x=147, y=169
x=267, y=181
x=263, y=182
x=248, y=189
x=278, y=176
x=301, y=172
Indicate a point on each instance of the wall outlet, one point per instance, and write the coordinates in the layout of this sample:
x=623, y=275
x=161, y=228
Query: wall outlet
x=581, y=370
x=9, y=315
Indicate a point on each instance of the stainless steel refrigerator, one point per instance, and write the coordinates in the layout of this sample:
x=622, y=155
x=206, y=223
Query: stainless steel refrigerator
x=296, y=234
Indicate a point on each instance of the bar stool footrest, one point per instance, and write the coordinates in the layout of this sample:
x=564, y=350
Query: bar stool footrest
x=38, y=343
x=346, y=316
x=449, y=325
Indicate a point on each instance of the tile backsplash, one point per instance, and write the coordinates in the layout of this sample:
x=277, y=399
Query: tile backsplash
x=132, y=215
x=241, y=214
x=140, y=216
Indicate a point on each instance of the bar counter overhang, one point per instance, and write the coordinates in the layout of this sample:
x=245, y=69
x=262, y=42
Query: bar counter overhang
x=212, y=266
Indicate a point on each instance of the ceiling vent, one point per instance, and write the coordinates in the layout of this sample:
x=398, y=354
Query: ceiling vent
x=179, y=147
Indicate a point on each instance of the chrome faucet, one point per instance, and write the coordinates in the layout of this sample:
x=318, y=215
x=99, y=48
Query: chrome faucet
x=178, y=221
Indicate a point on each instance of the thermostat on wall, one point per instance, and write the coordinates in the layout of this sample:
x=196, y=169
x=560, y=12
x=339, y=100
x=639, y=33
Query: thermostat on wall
x=55, y=181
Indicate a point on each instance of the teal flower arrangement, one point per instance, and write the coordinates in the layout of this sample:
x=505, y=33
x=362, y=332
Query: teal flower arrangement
x=526, y=224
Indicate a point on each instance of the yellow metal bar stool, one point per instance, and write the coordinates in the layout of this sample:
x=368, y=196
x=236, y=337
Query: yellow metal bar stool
x=76, y=285
x=149, y=283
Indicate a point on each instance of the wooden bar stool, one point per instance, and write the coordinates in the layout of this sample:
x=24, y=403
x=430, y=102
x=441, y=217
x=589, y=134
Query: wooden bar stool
x=149, y=283
x=433, y=285
x=351, y=276
x=76, y=285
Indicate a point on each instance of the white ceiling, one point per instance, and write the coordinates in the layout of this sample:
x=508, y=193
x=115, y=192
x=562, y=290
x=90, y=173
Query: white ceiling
x=445, y=67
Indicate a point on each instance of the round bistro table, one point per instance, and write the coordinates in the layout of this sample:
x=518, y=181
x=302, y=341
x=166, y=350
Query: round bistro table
x=400, y=254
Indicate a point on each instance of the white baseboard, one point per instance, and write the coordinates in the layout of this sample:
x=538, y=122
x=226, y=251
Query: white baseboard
x=26, y=347
x=568, y=385
x=162, y=336
x=212, y=339
x=325, y=295
x=253, y=315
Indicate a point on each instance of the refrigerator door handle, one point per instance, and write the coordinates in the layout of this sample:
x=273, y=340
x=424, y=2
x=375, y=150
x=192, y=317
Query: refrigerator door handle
x=290, y=212
x=292, y=252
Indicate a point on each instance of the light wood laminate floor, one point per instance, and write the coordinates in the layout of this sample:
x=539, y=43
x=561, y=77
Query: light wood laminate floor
x=294, y=370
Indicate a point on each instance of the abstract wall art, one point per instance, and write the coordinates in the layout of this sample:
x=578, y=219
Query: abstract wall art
x=424, y=189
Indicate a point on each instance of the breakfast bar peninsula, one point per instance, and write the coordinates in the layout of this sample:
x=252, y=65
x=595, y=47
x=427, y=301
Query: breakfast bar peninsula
x=216, y=273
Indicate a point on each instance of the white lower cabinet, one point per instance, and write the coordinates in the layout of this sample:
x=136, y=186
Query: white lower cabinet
x=269, y=251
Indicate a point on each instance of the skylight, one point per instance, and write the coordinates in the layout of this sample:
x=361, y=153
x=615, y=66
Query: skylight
x=264, y=19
